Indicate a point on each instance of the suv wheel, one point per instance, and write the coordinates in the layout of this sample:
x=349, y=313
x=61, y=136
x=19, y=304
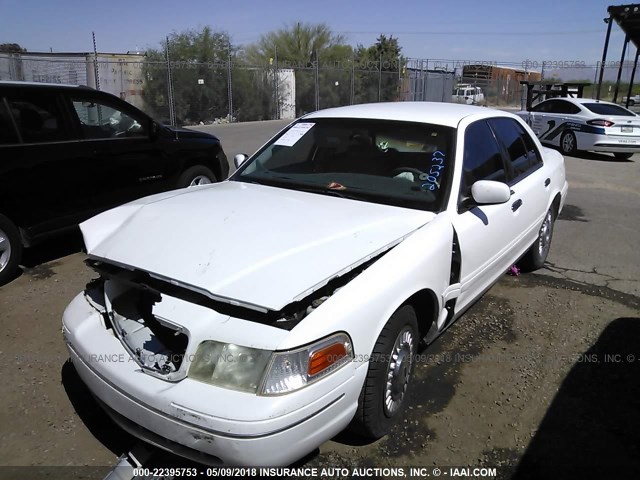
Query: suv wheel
x=10, y=249
x=196, y=175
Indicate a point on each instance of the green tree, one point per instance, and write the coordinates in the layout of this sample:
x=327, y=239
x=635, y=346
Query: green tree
x=11, y=48
x=301, y=47
x=199, y=76
x=378, y=70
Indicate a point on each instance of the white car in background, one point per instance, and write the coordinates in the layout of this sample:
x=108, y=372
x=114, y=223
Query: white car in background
x=469, y=94
x=248, y=322
x=574, y=124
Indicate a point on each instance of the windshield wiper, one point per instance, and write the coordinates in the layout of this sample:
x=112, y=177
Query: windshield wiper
x=326, y=191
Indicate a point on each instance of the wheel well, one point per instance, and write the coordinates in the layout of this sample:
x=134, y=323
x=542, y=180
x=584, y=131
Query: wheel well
x=192, y=162
x=214, y=164
x=425, y=304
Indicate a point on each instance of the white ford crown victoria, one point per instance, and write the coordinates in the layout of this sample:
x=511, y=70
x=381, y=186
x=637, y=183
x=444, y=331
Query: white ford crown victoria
x=247, y=322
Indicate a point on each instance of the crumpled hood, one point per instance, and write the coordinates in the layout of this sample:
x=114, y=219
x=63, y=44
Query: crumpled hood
x=248, y=244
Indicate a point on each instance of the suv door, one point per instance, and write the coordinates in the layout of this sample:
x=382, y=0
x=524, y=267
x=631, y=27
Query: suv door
x=43, y=179
x=118, y=143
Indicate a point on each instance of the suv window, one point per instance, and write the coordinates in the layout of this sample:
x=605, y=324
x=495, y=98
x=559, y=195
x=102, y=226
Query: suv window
x=521, y=150
x=38, y=118
x=482, y=157
x=100, y=120
x=556, y=106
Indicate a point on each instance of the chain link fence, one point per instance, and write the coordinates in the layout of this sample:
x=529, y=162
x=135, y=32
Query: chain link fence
x=190, y=93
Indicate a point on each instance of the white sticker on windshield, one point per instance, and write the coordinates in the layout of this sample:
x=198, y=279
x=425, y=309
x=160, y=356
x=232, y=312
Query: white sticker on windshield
x=294, y=134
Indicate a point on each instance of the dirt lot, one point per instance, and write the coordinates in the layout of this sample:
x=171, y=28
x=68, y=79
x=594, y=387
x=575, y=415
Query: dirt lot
x=541, y=375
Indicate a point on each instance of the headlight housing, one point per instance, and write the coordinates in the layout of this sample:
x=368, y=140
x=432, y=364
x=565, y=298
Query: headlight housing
x=269, y=373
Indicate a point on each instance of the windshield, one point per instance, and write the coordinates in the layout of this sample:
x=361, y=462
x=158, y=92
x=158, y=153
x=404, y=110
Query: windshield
x=394, y=163
x=608, y=109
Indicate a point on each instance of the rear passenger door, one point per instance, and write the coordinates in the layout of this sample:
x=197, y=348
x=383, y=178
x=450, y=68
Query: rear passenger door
x=125, y=162
x=525, y=176
x=43, y=180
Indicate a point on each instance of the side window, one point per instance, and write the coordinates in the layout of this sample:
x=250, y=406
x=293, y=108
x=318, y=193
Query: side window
x=532, y=151
x=482, y=157
x=38, y=118
x=554, y=107
x=99, y=120
x=541, y=107
x=510, y=134
x=8, y=134
x=521, y=149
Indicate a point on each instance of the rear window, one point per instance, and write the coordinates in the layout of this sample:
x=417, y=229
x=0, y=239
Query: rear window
x=608, y=109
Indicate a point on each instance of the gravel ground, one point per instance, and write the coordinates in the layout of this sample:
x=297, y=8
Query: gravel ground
x=540, y=376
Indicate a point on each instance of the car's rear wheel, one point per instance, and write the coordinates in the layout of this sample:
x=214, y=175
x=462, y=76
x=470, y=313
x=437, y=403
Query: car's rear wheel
x=196, y=175
x=383, y=395
x=10, y=249
x=568, y=143
x=538, y=252
x=623, y=156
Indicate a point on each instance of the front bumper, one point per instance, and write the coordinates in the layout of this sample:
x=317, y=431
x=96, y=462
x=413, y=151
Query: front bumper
x=202, y=422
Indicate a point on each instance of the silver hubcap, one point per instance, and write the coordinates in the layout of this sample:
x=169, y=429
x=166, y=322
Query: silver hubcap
x=544, y=237
x=568, y=142
x=5, y=250
x=200, y=180
x=398, y=371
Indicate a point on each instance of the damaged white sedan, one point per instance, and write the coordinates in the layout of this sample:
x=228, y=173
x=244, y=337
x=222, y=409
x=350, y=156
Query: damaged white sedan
x=254, y=319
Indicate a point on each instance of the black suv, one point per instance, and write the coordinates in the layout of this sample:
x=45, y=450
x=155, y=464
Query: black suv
x=70, y=152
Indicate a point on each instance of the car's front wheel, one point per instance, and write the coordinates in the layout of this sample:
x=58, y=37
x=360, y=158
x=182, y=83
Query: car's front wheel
x=383, y=395
x=196, y=175
x=10, y=249
x=568, y=143
x=538, y=252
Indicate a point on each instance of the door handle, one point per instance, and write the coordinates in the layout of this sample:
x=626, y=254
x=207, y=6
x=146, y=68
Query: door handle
x=547, y=182
x=516, y=205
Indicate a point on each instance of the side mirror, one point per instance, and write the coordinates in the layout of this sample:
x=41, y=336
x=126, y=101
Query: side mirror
x=239, y=159
x=488, y=192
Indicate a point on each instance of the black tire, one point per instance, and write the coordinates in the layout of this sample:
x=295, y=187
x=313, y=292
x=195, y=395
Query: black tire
x=196, y=175
x=568, y=143
x=380, y=404
x=623, y=156
x=538, y=252
x=10, y=249
x=631, y=103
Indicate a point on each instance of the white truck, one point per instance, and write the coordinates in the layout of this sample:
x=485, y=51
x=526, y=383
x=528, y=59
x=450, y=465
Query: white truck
x=632, y=101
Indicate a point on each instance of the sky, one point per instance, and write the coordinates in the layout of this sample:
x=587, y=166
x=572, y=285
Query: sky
x=490, y=30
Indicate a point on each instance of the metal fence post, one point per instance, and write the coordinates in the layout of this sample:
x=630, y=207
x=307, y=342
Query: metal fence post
x=95, y=61
x=275, y=82
x=172, y=112
x=353, y=79
x=317, y=80
x=229, y=85
x=380, y=79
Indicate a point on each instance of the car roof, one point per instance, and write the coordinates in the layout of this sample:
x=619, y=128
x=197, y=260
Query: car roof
x=13, y=83
x=447, y=114
x=580, y=101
